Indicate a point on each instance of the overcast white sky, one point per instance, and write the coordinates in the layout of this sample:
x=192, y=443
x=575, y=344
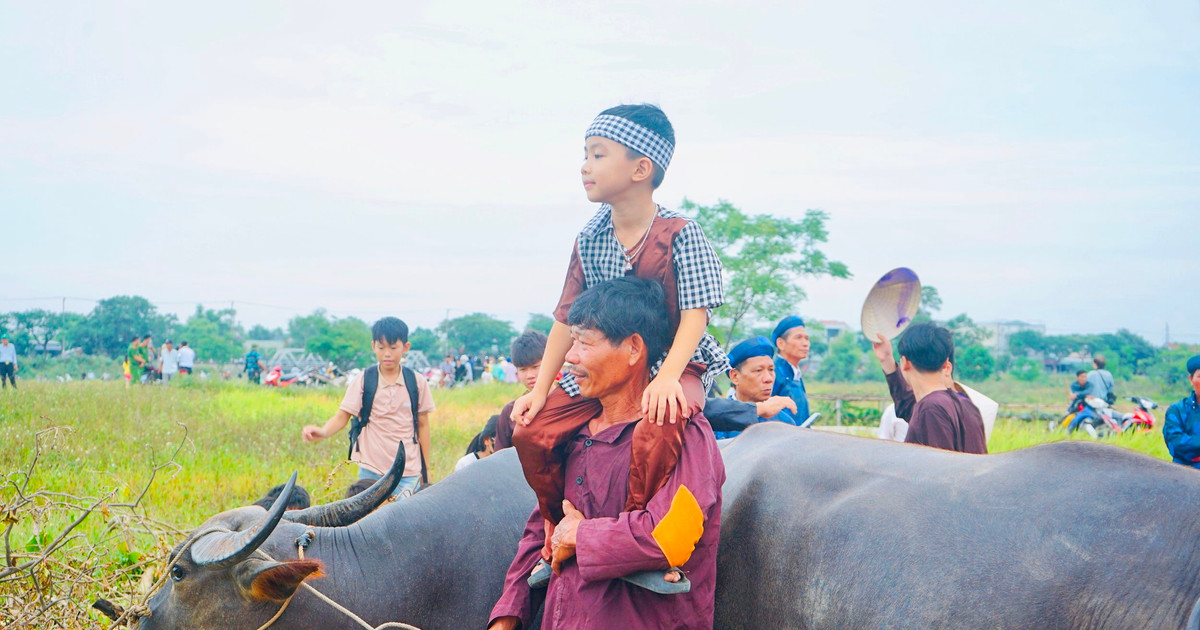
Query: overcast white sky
x=1035, y=161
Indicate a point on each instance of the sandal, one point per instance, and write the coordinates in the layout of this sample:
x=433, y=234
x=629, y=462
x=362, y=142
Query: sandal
x=540, y=576
x=653, y=581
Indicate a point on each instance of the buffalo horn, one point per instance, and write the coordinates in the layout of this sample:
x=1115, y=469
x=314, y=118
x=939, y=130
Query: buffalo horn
x=348, y=511
x=219, y=550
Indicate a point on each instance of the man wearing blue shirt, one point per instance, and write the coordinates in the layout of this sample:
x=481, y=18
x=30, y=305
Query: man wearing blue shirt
x=791, y=340
x=752, y=374
x=1181, y=429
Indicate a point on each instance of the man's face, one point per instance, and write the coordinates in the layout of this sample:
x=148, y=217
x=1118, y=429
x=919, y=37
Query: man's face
x=169, y=345
x=1081, y=378
x=753, y=379
x=607, y=169
x=794, y=344
x=1195, y=379
x=4, y=341
x=388, y=353
x=528, y=374
x=599, y=367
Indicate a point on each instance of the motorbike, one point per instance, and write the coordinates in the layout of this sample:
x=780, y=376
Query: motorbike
x=1099, y=419
x=1141, y=420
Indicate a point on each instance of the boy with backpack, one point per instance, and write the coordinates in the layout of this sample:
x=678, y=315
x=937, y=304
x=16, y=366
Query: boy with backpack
x=389, y=406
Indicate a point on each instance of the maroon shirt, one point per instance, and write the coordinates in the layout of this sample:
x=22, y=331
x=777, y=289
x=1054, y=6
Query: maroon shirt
x=942, y=419
x=611, y=543
x=504, y=427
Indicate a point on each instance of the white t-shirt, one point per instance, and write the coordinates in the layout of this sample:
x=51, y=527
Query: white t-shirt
x=892, y=427
x=187, y=357
x=466, y=460
x=170, y=361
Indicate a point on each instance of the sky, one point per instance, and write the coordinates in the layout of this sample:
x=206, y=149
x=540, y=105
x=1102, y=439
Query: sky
x=1033, y=161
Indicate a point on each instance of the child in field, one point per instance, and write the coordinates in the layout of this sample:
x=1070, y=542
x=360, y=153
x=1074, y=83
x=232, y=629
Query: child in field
x=627, y=150
x=389, y=419
x=527, y=351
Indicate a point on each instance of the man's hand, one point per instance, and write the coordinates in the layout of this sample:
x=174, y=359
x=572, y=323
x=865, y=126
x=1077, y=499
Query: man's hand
x=883, y=352
x=771, y=407
x=313, y=433
x=527, y=407
x=563, y=540
x=663, y=400
x=505, y=623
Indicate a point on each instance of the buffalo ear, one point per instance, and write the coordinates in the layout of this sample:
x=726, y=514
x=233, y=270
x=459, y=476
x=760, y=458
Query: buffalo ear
x=275, y=581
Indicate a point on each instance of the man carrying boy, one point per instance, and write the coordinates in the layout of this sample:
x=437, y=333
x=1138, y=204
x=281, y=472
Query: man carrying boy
x=922, y=390
x=618, y=329
x=389, y=424
x=527, y=351
x=627, y=150
x=790, y=338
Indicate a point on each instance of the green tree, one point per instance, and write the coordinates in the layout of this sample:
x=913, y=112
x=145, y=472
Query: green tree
x=843, y=363
x=39, y=326
x=346, y=342
x=114, y=321
x=213, y=334
x=539, y=322
x=764, y=258
x=262, y=333
x=426, y=341
x=973, y=362
x=966, y=333
x=931, y=302
x=1026, y=369
x=303, y=328
x=477, y=333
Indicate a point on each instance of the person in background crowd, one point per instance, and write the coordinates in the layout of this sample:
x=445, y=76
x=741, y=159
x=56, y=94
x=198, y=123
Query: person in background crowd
x=1100, y=381
x=510, y=370
x=1181, y=428
x=498, y=370
x=482, y=445
x=921, y=388
x=187, y=358
x=447, y=368
x=168, y=362
x=752, y=375
x=527, y=351
x=150, y=359
x=137, y=360
x=790, y=338
x=254, y=365
x=460, y=371
x=8, y=362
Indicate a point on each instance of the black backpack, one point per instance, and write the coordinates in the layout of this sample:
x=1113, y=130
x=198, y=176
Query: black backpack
x=370, y=384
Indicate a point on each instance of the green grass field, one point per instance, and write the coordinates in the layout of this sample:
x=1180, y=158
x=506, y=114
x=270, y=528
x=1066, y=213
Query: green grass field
x=241, y=440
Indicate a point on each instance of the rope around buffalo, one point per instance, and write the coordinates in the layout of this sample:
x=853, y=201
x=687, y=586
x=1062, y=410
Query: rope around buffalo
x=336, y=606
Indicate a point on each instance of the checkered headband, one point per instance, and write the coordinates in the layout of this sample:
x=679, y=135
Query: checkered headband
x=634, y=136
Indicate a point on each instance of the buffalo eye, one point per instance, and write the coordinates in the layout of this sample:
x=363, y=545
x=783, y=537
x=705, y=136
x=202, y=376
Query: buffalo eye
x=177, y=573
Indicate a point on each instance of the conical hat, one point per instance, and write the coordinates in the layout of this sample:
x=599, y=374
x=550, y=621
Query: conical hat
x=891, y=304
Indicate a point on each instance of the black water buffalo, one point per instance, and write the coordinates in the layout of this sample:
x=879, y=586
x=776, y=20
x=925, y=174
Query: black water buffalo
x=818, y=531
x=828, y=531
x=435, y=560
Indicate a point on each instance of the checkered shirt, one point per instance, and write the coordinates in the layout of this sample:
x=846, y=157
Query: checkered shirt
x=697, y=277
x=634, y=136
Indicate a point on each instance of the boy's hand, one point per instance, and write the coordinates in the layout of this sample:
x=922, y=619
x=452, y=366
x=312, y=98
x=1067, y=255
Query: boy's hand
x=527, y=407
x=883, y=352
x=312, y=433
x=663, y=400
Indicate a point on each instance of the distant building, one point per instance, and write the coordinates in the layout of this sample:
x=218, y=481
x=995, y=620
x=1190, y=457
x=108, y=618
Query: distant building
x=833, y=328
x=999, y=332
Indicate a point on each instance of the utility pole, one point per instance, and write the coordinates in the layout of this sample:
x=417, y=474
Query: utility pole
x=1167, y=335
